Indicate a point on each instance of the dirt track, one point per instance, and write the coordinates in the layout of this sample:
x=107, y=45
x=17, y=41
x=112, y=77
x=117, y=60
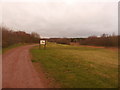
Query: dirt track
x=18, y=71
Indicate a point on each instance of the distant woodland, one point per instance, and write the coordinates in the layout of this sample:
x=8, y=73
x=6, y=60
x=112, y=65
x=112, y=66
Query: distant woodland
x=10, y=37
x=104, y=40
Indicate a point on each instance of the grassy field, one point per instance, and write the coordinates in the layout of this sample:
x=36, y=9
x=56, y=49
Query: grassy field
x=0, y=51
x=12, y=46
x=78, y=67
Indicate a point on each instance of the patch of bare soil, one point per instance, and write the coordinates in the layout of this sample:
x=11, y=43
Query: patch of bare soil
x=110, y=48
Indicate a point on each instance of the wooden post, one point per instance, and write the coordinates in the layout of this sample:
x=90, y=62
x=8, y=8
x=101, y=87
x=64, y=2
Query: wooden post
x=39, y=46
x=45, y=45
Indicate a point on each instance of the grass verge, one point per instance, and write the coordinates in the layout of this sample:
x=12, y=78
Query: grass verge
x=78, y=67
x=12, y=46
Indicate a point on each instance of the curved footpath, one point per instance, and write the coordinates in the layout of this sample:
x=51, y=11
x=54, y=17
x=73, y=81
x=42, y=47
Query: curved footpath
x=18, y=71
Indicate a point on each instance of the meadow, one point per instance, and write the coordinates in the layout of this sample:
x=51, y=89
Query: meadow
x=78, y=66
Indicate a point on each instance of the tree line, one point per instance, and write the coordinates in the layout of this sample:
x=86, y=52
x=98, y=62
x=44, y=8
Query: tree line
x=60, y=40
x=104, y=40
x=10, y=37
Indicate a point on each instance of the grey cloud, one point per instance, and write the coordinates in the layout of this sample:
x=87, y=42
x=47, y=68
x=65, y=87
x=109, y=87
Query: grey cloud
x=61, y=19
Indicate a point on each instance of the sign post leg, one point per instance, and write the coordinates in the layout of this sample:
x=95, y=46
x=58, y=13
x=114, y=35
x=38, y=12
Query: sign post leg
x=39, y=46
x=44, y=46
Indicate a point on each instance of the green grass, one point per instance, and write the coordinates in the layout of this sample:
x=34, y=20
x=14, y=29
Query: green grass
x=78, y=67
x=12, y=46
x=0, y=50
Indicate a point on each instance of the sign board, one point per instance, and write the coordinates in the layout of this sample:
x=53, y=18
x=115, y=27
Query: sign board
x=43, y=42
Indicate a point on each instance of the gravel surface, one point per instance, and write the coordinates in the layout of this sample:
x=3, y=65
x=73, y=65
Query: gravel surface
x=18, y=71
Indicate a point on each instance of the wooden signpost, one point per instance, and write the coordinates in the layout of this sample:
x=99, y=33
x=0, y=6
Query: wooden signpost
x=42, y=42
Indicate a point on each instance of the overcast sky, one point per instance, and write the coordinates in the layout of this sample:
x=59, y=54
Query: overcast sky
x=65, y=18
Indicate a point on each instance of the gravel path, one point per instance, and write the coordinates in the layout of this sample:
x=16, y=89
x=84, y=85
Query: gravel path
x=18, y=71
